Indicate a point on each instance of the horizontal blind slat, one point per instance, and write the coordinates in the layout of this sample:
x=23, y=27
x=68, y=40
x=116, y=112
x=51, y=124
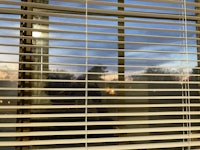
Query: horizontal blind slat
x=108, y=12
x=118, y=114
x=135, y=146
x=100, y=106
x=99, y=123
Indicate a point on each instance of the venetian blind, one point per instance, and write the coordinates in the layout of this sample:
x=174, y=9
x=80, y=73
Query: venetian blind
x=99, y=74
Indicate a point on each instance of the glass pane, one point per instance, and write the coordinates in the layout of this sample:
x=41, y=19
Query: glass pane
x=94, y=76
x=9, y=58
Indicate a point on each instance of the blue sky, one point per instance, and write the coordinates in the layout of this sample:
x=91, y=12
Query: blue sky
x=109, y=58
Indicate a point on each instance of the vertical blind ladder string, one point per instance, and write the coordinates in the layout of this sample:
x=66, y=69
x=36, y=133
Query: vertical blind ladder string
x=187, y=75
x=182, y=76
x=86, y=75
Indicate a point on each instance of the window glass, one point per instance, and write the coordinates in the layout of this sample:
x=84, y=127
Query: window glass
x=98, y=79
x=9, y=58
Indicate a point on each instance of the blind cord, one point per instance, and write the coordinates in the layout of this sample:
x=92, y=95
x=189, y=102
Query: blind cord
x=86, y=75
x=187, y=76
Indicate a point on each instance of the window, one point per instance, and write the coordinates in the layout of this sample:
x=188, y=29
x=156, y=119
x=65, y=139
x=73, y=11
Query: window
x=99, y=74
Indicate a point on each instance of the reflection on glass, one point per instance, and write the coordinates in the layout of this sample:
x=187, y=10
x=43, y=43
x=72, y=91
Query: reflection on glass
x=8, y=74
x=84, y=78
x=76, y=77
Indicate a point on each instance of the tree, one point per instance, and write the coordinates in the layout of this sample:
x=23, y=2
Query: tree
x=58, y=84
x=157, y=74
x=94, y=73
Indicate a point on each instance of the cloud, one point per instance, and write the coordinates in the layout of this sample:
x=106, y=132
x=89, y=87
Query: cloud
x=104, y=45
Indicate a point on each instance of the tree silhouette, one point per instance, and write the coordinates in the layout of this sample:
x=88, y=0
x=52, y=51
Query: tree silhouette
x=94, y=73
x=58, y=84
x=157, y=74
